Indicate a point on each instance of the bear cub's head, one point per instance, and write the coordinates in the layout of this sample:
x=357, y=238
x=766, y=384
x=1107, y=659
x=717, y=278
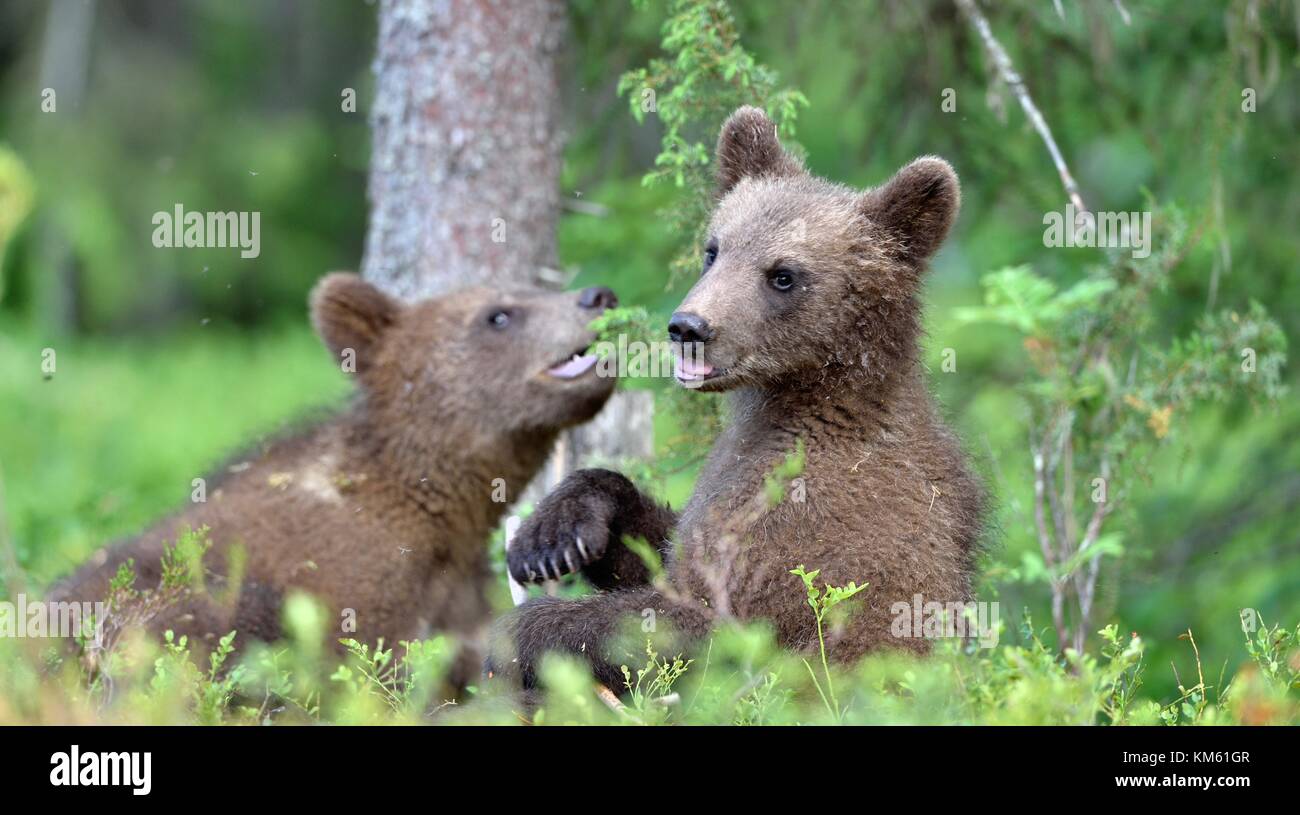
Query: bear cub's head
x=470, y=364
x=804, y=278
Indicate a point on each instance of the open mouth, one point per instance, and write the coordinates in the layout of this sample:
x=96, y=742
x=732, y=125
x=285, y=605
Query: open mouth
x=693, y=372
x=574, y=365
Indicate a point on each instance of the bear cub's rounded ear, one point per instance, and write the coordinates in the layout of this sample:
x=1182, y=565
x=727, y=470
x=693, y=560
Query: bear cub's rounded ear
x=918, y=205
x=747, y=147
x=349, y=313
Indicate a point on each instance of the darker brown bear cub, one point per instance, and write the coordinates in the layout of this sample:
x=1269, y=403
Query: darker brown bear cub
x=807, y=313
x=384, y=511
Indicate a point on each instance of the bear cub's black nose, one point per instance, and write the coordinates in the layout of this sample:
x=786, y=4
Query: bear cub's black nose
x=598, y=297
x=687, y=327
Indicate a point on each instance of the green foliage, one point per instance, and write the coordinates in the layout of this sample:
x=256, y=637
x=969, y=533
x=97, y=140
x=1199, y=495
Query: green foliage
x=741, y=677
x=145, y=138
x=648, y=555
x=211, y=692
x=182, y=562
x=113, y=440
x=821, y=602
x=738, y=676
x=406, y=684
x=127, y=610
x=1031, y=304
x=16, y=193
x=1274, y=650
x=790, y=468
x=622, y=320
x=631, y=322
x=1103, y=389
x=650, y=691
x=285, y=680
x=705, y=74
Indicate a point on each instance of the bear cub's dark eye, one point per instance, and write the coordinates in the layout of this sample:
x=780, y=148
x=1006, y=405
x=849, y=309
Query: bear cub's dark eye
x=781, y=279
x=710, y=255
x=499, y=319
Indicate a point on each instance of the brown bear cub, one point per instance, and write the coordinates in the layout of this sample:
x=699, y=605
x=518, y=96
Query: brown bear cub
x=807, y=313
x=383, y=512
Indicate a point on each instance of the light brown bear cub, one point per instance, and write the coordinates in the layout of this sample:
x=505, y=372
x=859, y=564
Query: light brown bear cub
x=383, y=512
x=807, y=313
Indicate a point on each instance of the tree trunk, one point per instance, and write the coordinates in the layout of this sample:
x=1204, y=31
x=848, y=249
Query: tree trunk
x=465, y=171
x=65, y=69
x=465, y=167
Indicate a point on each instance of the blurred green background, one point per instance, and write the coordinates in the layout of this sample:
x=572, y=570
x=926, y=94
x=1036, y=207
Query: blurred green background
x=168, y=359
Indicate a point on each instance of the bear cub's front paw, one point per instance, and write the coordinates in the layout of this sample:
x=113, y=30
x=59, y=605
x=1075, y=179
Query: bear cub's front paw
x=570, y=527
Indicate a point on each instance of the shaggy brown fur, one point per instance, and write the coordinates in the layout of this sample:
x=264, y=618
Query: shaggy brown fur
x=385, y=510
x=809, y=316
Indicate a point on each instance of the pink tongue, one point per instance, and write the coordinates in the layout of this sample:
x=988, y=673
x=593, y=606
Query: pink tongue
x=574, y=367
x=692, y=369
